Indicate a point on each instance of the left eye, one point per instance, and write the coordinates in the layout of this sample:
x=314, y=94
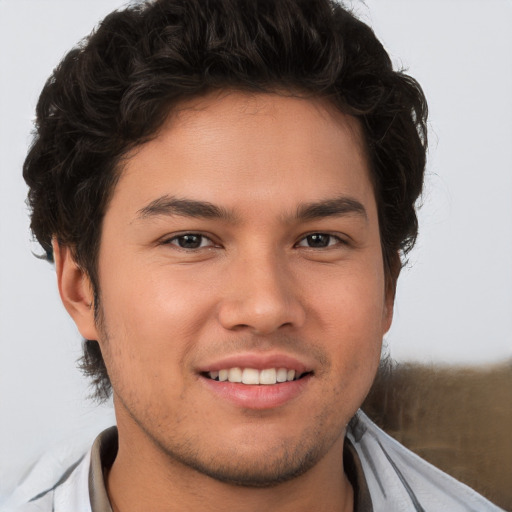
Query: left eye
x=191, y=241
x=318, y=241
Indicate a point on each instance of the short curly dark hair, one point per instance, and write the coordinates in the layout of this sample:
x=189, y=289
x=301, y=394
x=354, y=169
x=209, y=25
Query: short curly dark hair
x=116, y=88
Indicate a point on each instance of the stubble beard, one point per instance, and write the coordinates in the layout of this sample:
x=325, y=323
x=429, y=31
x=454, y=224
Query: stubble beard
x=268, y=468
x=272, y=467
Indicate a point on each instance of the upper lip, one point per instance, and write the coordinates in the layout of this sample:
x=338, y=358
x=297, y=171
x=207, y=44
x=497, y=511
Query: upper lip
x=258, y=361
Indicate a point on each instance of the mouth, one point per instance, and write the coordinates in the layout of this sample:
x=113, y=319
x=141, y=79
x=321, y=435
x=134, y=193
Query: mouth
x=257, y=380
x=256, y=377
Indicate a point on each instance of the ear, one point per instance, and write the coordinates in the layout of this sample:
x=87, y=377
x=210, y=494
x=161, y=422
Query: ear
x=389, y=303
x=390, y=291
x=75, y=291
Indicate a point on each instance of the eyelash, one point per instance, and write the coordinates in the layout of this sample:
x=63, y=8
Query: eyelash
x=200, y=236
x=171, y=241
x=337, y=240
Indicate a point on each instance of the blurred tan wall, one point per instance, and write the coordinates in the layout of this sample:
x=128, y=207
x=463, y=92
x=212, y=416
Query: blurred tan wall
x=459, y=419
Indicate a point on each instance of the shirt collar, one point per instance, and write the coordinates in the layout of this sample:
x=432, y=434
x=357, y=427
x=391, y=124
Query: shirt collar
x=104, y=451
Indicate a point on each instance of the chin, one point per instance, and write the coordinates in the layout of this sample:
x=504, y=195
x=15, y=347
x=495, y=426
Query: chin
x=258, y=472
x=264, y=461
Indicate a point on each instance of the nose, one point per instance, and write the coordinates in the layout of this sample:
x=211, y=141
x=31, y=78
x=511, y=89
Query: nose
x=261, y=297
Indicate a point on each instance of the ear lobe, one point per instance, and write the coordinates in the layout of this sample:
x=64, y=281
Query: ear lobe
x=387, y=314
x=390, y=291
x=75, y=291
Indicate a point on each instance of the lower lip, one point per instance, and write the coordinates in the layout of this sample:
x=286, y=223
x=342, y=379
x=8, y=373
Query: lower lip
x=257, y=396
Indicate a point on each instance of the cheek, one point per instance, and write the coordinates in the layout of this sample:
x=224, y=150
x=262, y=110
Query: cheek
x=350, y=299
x=158, y=300
x=350, y=313
x=151, y=321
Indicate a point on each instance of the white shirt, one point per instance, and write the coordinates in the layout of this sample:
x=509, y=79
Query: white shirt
x=397, y=479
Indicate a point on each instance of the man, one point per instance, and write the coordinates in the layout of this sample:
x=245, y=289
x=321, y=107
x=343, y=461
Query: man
x=226, y=188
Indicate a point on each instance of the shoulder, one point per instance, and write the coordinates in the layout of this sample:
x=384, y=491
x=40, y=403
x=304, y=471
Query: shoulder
x=69, y=493
x=50, y=487
x=43, y=504
x=400, y=480
x=67, y=480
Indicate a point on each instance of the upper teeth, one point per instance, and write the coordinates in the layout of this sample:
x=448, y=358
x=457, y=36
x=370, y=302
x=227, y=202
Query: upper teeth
x=253, y=376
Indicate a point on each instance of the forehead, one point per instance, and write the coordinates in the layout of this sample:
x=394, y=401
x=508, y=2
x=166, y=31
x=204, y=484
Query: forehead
x=232, y=145
x=263, y=115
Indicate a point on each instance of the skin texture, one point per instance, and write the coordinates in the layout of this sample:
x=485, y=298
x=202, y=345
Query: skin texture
x=255, y=287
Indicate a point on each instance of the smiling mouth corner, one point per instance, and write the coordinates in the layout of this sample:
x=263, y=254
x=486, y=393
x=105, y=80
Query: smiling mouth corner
x=252, y=376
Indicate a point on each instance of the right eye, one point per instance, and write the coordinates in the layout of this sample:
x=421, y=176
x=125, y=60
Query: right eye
x=319, y=241
x=190, y=241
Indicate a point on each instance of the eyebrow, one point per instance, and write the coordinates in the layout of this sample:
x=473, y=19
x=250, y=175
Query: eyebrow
x=331, y=208
x=169, y=206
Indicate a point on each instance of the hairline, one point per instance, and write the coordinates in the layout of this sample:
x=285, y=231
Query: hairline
x=174, y=108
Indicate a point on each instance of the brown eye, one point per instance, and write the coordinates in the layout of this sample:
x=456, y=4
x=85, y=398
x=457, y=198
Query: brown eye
x=191, y=241
x=318, y=241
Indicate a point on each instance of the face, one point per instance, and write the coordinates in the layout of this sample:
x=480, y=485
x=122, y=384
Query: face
x=242, y=244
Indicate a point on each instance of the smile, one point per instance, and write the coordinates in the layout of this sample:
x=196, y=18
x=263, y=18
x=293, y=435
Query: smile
x=253, y=376
x=258, y=380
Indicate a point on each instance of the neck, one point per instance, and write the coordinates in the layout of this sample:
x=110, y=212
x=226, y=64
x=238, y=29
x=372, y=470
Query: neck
x=147, y=479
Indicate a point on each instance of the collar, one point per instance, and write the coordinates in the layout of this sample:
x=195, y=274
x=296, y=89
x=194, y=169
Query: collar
x=104, y=451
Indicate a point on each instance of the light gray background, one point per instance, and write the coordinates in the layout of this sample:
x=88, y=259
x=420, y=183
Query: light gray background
x=454, y=300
